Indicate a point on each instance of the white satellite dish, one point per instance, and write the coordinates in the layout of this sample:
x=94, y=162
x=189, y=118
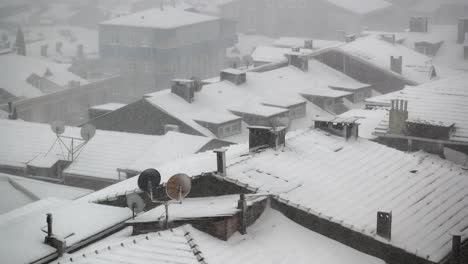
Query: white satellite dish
x=58, y=127
x=178, y=186
x=135, y=202
x=87, y=132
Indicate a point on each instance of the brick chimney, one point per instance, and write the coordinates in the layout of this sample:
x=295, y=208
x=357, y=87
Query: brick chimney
x=398, y=117
x=462, y=30
x=309, y=44
x=298, y=60
x=465, y=51
x=235, y=76
x=263, y=137
x=79, y=51
x=12, y=114
x=384, y=225
x=184, y=88
x=396, y=64
x=418, y=24
x=44, y=50
x=58, y=46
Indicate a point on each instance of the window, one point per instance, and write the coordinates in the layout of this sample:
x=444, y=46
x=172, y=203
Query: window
x=132, y=67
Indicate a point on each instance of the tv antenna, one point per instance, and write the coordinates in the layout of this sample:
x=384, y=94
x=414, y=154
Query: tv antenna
x=136, y=203
x=177, y=188
x=72, y=148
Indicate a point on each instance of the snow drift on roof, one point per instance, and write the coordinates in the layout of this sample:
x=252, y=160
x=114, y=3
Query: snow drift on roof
x=167, y=18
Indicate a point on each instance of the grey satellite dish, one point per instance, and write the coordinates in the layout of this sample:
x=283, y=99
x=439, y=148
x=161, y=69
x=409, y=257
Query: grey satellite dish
x=178, y=186
x=58, y=127
x=87, y=132
x=135, y=202
x=149, y=180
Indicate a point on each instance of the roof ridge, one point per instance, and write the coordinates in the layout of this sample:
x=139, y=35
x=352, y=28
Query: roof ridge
x=132, y=240
x=194, y=246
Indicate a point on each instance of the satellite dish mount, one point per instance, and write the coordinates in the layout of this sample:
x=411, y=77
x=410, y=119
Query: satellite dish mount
x=69, y=143
x=177, y=188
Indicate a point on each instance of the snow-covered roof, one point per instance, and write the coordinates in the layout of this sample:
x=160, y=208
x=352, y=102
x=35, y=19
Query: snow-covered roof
x=417, y=67
x=69, y=36
x=108, y=107
x=292, y=42
x=168, y=17
x=281, y=87
x=170, y=246
x=429, y=6
x=355, y=179
x=273, y=54
x=16, y=69
x=19, y=191
x=449, y=55
x=273, y=238
x=259, y=246
x=22, y=142
x=193, y=208
x=361, y=7
x=442, y=102
x=72, y=221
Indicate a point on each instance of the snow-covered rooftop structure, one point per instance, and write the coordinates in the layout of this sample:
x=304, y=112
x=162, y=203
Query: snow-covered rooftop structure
x=260, y=245
x=346, y=183
x=363, y=7
x=449, y=54
x=441, y=102
x=23, y=142
x=265, y=94
x=162, y=18
x=19, y=191
x=17, y=69
x=74, y=222
x=416, y=68
x=293, y=42
x=268, y=54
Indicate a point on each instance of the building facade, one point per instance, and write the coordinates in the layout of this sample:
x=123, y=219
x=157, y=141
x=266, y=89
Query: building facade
x=154, y=46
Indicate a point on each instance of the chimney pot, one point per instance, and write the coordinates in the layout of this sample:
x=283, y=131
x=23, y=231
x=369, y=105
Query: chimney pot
x=384, y=225
x=242, y=205
x=49, y=224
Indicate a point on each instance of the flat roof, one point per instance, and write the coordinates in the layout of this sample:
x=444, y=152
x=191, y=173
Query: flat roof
x=166, y=18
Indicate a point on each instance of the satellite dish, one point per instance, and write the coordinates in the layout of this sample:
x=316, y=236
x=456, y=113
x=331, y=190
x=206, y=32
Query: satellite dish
x=178, y=186
x=87, y=132
x=58, y=127
x=149, y=176
x=135, y=202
